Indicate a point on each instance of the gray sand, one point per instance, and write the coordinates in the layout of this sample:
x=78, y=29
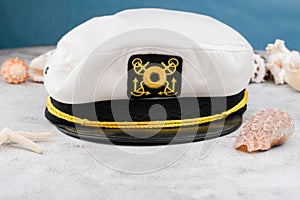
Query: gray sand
x=73, y=169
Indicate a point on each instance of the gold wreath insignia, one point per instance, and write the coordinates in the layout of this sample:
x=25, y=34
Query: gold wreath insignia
x=161, y=74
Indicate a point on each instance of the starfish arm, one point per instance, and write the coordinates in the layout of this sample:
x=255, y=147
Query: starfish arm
x=3, y=137
x=35, y=136
x=25, y=142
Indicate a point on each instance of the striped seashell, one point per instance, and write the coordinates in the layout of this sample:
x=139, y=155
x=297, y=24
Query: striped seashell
x=260, y=71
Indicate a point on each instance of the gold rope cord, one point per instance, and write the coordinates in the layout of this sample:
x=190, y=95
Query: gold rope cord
x=145, y=124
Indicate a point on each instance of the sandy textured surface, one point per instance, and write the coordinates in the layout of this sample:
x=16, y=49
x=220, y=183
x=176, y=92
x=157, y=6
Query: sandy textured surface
x=71, y=169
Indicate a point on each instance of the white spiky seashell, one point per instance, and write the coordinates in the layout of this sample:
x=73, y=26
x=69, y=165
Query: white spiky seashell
x=267, y=128
x=283, y=64
x=37, y=67
x=275, y=53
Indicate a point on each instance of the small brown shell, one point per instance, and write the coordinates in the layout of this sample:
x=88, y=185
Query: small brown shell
x=261, y=131
x=14, y=71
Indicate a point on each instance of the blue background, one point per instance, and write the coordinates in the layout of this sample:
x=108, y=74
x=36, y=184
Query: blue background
x=41, y=22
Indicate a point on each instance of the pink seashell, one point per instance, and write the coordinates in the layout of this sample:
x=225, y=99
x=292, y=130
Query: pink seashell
x=14, y=71
x=261, y=131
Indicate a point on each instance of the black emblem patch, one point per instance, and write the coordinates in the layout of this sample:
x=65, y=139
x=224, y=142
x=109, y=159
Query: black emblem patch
x=153, y=75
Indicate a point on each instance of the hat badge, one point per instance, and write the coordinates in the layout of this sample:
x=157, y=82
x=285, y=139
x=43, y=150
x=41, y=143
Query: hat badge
x=155, y=77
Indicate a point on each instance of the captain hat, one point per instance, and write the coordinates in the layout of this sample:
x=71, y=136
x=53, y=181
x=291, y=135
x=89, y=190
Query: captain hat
x=148, y=76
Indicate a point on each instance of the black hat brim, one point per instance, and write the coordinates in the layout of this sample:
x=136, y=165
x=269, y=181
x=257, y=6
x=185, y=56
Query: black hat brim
x=163, y=136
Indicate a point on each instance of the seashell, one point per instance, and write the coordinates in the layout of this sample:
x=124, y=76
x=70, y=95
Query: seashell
x=37, y=67
x=277, y=47
x=260, y=72
x=291, y=62
x=282, y=62
x=267, y=128
x=275, y=53
x=14, y=71
x=293, y=79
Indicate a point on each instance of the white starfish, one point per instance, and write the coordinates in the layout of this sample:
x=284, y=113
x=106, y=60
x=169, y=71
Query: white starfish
x=24, y=138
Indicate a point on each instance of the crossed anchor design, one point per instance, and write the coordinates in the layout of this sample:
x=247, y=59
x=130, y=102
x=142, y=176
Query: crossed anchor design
x=161, y=77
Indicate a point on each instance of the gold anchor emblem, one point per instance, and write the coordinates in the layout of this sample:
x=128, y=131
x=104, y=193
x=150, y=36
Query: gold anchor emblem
x=154, y=77
x=169, y=91
x=139, y=91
